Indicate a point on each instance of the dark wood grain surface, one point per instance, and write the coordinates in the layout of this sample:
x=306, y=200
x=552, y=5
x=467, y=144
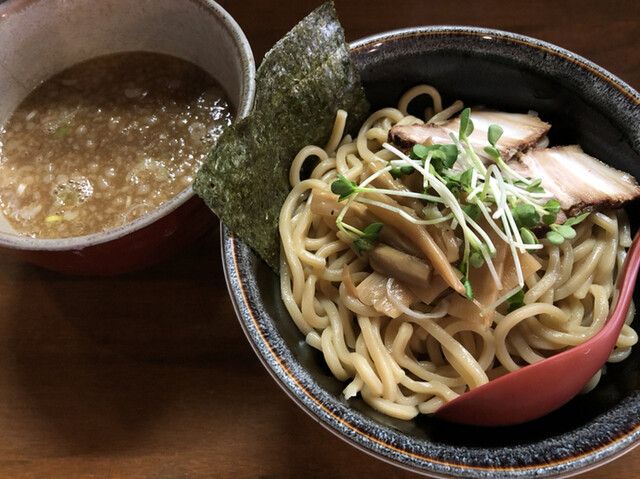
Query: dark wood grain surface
x=149, y=375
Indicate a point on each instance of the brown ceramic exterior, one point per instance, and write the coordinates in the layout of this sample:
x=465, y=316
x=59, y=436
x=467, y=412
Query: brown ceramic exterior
x=42, y=37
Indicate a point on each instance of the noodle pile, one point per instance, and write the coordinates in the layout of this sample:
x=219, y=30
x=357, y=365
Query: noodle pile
x=423, y=353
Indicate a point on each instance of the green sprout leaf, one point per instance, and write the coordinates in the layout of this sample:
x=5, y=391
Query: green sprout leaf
x=466, y=125
x=525, y=215
x=494, y=134
x=575, y=220
x=476, y=259
x=465, y=179
x=549, y=219
x=473, y=211
x=367, y=241
x=555, y=237
x=564, y=231
x=567, y=232
x=534, y=187
x=464, y=268
x=552, y=206
x=442, y=156
x=445, y=156
x=528, y=237
x=516, y=301
x=343, y=187
x=400, y=171
x=492, y=151
x=419, y=152
x=468, y=290
x=454, y=186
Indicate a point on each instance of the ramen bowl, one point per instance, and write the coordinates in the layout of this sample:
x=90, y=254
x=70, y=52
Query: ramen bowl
x=40, y=38
x=586, y=105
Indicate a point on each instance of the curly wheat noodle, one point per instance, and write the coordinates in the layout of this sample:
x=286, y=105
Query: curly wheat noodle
x=414, y=362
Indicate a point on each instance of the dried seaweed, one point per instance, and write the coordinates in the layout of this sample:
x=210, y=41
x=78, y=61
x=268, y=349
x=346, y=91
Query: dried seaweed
x=302, y=82
x=285, y=64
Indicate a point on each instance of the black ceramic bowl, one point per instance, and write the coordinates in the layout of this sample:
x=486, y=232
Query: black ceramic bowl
x=585, y=105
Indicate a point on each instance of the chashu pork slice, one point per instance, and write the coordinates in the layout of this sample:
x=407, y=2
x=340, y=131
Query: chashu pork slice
x=521, y=132
x=577, y=180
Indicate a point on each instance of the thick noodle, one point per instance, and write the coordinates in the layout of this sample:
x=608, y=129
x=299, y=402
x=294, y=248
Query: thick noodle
x=419, y=357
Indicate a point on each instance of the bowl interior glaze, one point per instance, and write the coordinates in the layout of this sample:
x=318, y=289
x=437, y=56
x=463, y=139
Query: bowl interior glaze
x=585, y=105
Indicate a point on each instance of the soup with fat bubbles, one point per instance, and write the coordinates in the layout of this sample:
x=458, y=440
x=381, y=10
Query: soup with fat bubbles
x=106, y=141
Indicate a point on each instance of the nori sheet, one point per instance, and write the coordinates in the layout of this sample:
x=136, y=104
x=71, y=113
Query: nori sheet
x=302, y=82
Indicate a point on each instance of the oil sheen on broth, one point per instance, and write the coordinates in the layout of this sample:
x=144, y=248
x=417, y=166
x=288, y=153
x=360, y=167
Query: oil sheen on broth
x=105, y=142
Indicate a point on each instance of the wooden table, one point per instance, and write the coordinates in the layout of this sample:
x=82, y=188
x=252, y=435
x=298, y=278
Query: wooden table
x=149, y=375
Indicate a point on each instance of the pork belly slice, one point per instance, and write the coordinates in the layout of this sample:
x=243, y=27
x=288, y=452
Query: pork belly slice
x=577, y=180
x=521, y=131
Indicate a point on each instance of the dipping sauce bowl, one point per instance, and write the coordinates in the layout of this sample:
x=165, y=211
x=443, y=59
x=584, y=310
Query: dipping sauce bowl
x=43, y=37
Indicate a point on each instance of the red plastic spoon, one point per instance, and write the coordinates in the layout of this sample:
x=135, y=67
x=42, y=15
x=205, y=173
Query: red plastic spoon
x=538, y=389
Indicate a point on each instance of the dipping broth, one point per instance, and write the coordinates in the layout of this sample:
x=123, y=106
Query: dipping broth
x=105, y=142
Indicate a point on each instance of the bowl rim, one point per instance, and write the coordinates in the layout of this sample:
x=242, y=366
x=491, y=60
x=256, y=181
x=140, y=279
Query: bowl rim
x=496, y=34
x=248, y=87
x=379, y=440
